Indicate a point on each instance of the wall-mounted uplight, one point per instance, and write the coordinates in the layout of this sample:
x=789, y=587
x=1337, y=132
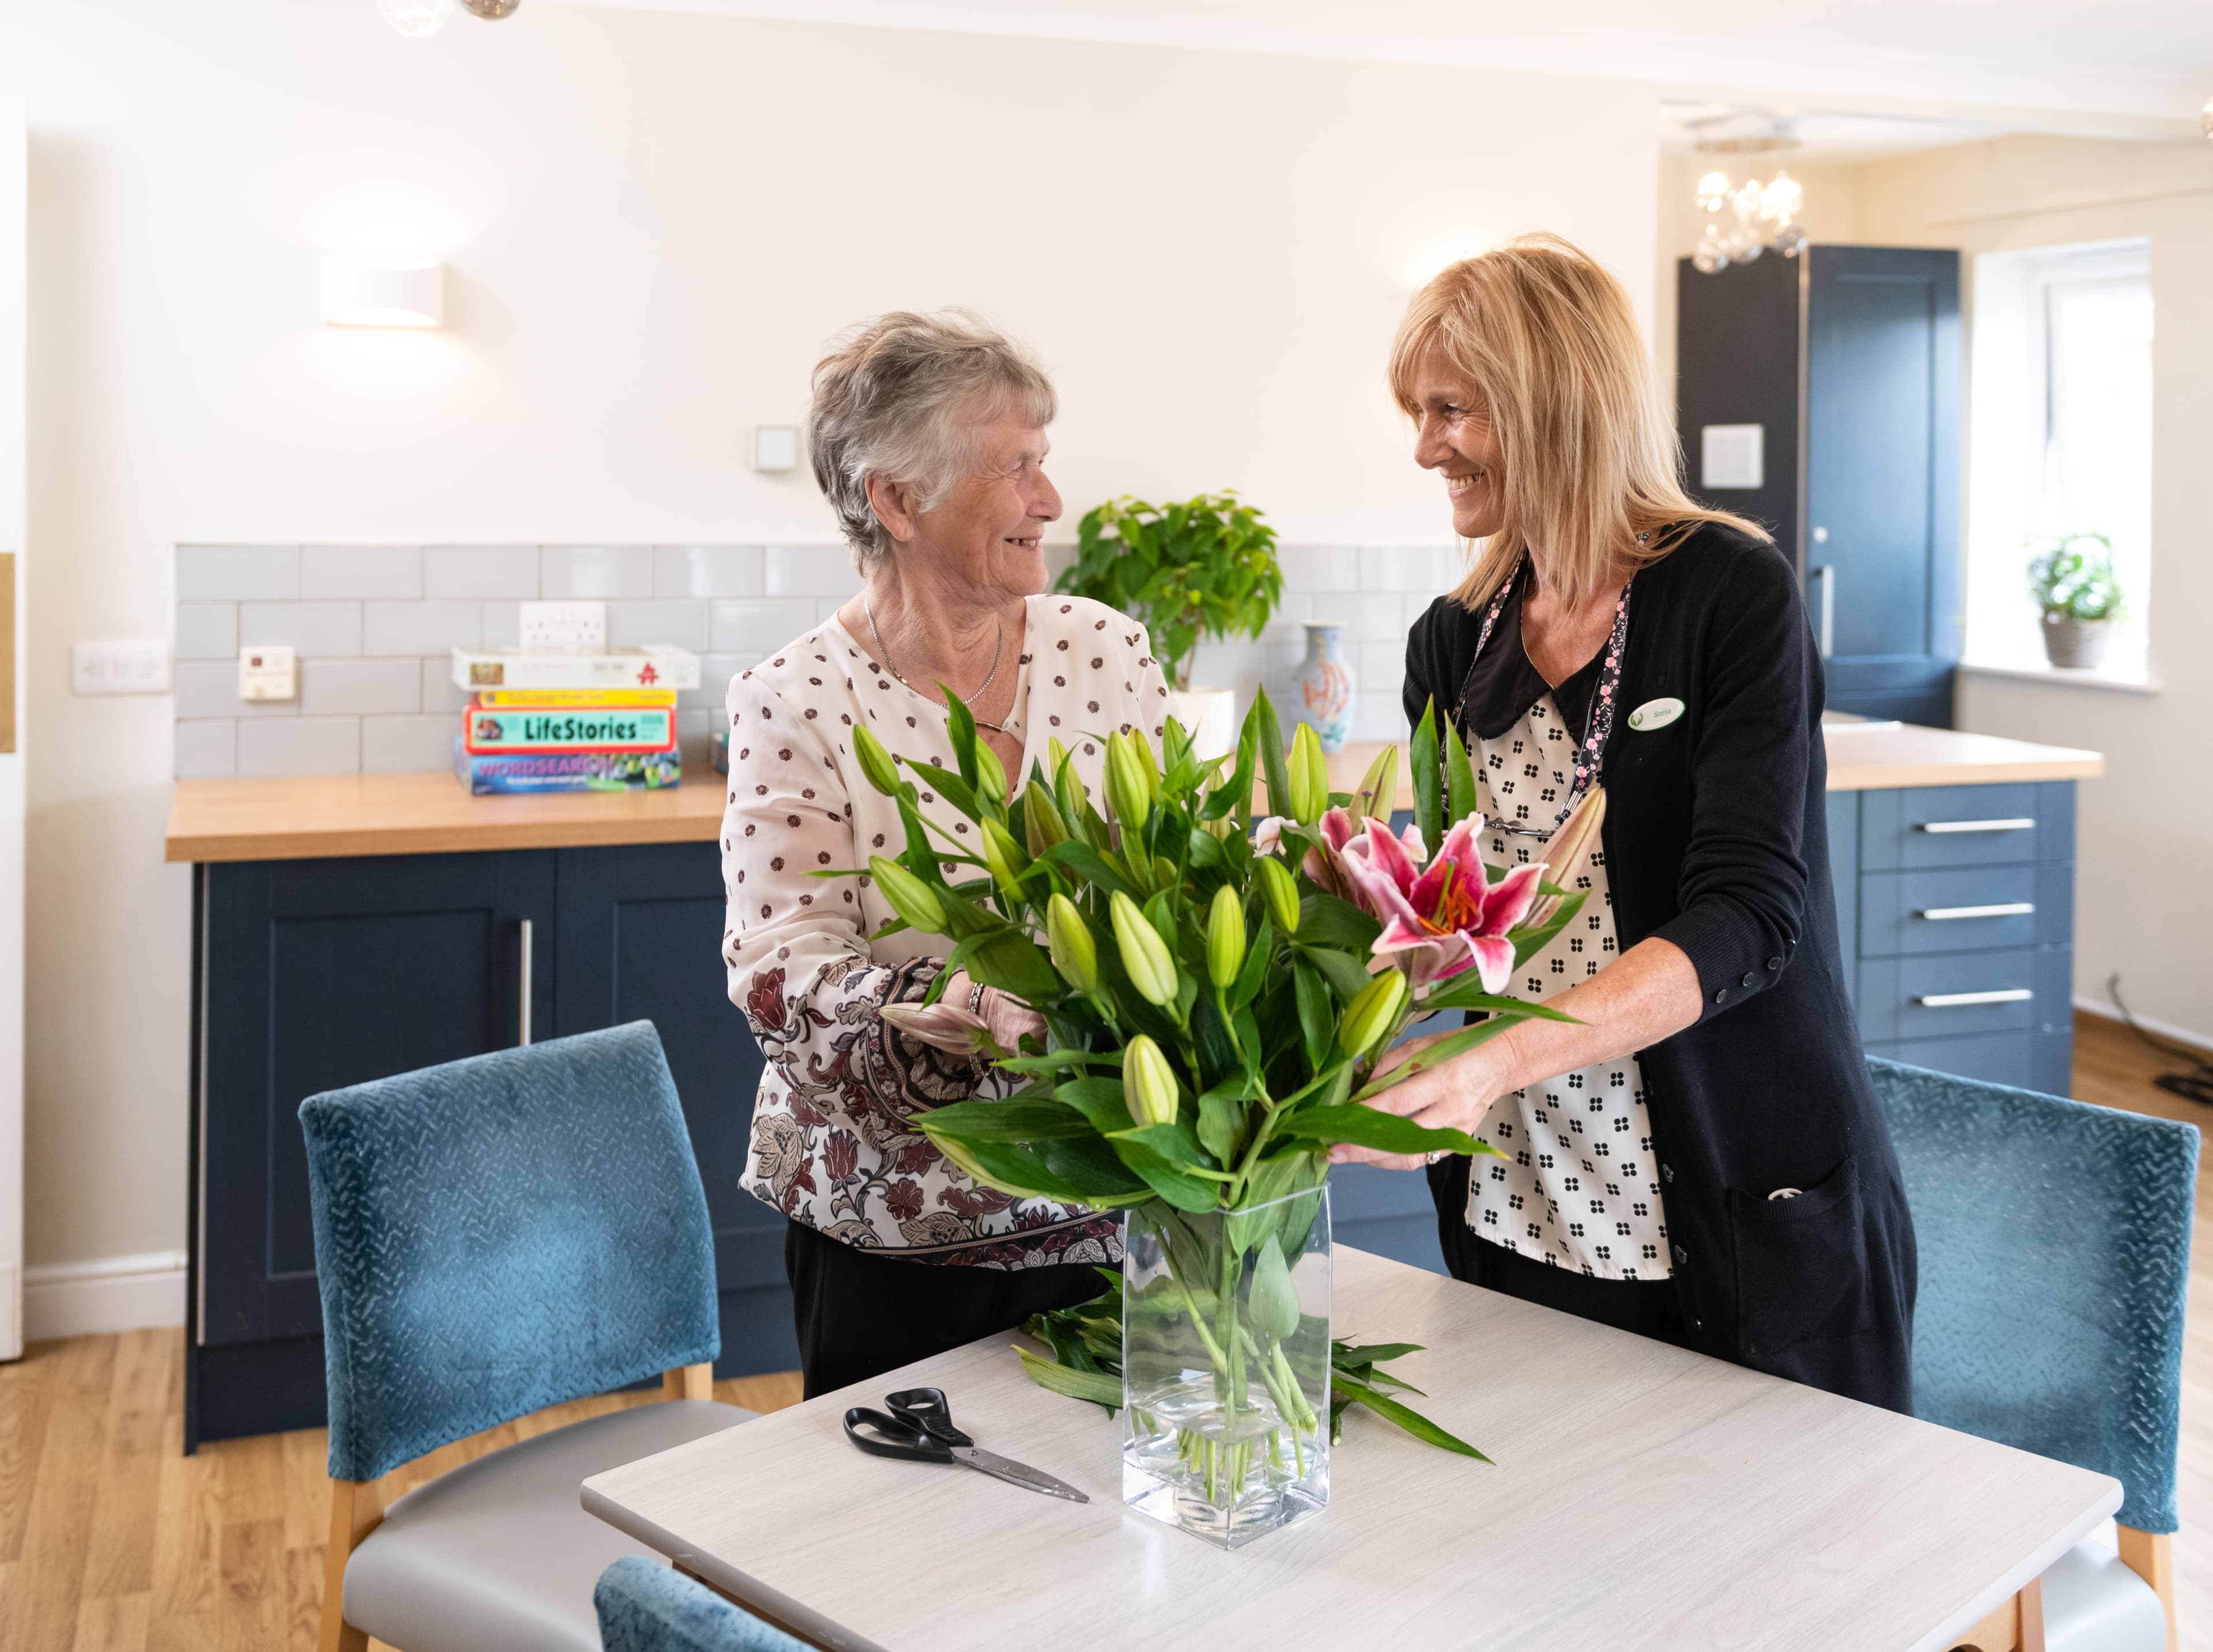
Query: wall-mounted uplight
x=384, y=292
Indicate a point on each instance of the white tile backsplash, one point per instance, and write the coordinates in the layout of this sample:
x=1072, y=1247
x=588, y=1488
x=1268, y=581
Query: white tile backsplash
x=234, y=573
x=630, y=624
x=315, y=630
x=419, y=628
x=340, y=687
x=207, y=750
x=592, y=572
x=406, y=745
x=810, y=570
x=481, y=571
x=208, y=688
x=375, y=625
x=207, y=631
x=300, y=745
x=681, y=570
x=390, y=572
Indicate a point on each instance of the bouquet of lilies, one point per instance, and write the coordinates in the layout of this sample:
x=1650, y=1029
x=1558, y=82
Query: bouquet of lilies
x=1216, y=987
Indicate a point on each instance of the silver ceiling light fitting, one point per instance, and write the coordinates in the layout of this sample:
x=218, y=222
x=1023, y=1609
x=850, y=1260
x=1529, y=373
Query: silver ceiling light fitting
x=1743, y=219
x=418, y=19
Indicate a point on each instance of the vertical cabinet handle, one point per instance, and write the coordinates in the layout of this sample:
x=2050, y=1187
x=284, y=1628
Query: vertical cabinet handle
x=1826, y=625
x=522, y=1021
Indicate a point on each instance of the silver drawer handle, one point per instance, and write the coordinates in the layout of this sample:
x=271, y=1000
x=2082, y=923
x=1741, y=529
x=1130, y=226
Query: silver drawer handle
x=522, y=986
x=2017, y=823
x=1955, y=1000
x=2003, y=909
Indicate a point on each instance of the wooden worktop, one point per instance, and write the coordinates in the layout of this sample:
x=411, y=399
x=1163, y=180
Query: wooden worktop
x=327, y=816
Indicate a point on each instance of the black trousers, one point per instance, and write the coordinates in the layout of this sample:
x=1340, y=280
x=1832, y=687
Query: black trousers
x=862, y=1313
x=1649, y=1308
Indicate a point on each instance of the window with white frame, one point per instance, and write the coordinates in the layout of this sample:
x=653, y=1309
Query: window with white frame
x=2061, y=416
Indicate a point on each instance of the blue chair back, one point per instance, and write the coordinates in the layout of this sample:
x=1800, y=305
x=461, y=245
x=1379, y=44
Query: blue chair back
x=648, y=1608
x=2054, y=1242
x=500, y=1234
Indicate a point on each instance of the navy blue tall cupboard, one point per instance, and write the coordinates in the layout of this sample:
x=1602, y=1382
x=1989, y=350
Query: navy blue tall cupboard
x=312, y=974
x=1847, y=361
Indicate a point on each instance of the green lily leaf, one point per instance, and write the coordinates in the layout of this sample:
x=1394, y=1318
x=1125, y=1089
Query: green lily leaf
x=1095, y=1386
x=1273, y=1299
x=1174, y=1184
x=1015, y=1120
x=1527, y=944
x=1348, y=976
x=1404, y=1415
x=1327, y=921
x=1426, y=772
x=1371, y=1127
x=1222, y=1122
x=1099, y=1101
x=1435, y=1055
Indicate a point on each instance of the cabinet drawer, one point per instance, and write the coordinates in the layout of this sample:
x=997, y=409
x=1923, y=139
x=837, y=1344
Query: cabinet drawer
x=1920, y=826
x=1967, y=908
x=2036, y=1060
x=1948, y=995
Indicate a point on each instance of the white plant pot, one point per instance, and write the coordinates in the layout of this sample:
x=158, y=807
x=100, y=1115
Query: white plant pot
x=1211, y=715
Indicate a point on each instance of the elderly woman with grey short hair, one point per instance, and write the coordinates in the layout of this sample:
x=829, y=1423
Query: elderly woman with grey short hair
x=928, y=435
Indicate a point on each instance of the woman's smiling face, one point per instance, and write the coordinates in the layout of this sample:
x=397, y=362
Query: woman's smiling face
x=1453, y=436
x=989, y=531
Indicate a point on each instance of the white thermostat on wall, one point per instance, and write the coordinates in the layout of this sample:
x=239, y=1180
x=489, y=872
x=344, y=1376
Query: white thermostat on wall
x=775, y=448
x=268, y=671
x=1732, y=455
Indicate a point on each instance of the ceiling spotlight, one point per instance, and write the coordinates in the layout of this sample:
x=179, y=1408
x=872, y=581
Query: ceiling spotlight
x=416, y=19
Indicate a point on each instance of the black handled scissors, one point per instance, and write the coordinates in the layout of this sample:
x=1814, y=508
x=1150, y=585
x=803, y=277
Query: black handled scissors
x=920, y=1430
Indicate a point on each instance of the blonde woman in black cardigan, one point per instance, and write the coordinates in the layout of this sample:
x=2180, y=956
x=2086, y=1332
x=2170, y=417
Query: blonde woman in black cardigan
x=1698, y=1157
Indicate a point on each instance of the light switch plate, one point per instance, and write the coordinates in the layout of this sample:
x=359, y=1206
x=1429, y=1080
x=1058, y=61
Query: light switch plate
x=268, y=671
x=775, y=448
x=1732, y=455
x=127, y=667
x=565, y=627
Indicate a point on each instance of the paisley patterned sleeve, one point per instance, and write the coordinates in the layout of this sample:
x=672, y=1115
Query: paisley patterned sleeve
x=795, y=945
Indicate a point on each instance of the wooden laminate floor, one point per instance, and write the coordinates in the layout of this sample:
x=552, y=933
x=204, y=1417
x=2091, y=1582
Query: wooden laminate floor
x=112, y=1540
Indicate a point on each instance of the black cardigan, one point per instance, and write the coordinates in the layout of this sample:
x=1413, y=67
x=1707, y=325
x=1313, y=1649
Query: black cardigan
x=1716, y=838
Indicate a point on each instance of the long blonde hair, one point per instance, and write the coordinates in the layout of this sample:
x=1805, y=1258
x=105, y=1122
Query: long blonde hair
x=1550, y=339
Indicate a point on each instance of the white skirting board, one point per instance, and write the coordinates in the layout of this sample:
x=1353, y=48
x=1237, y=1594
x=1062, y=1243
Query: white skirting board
x=114, y=1292
x=2167, y=1030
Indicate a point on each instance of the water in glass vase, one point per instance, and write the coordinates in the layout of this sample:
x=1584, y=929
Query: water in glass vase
x=1225, y=1366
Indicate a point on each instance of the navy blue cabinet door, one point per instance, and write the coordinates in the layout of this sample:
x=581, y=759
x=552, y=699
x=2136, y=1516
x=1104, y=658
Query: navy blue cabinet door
x=1882, y=400
x=316, y=974
x=640, y=930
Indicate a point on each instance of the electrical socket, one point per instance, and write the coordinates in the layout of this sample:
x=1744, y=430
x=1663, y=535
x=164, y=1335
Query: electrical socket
x=127, y=667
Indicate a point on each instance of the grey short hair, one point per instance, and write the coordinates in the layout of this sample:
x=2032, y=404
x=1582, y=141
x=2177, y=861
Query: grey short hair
x=899, y=397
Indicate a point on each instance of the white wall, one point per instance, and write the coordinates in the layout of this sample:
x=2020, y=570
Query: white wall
x=2145, y=887
x=653, y=221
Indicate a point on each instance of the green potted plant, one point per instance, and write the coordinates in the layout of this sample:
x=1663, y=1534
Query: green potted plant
x=1204, y=568
x=2073, y=581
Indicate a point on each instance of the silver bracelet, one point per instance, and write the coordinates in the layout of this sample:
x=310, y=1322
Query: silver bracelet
x=976, y=999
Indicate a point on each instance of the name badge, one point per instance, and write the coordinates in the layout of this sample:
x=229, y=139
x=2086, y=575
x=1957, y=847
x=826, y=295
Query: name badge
x=1654, y=714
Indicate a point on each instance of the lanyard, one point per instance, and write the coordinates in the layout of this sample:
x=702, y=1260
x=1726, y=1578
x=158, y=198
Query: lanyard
x=1590, y=756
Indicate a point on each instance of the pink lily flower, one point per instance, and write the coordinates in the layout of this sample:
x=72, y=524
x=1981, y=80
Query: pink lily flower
x=1325, y=865
x=942, y=1025
x=1449, y=917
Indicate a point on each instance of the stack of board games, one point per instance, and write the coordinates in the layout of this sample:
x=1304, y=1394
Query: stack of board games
x=571, y=722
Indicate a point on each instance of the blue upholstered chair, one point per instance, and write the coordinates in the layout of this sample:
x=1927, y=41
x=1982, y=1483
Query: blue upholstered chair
x=2055, y=1256
x=648, y=1608
x=494, y=1236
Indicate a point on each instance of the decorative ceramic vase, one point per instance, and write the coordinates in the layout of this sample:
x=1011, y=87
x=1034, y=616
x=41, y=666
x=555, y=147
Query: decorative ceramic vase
x=2077, y=645
x=1321, y=690
x=1225, y=1366
x=1211, y=716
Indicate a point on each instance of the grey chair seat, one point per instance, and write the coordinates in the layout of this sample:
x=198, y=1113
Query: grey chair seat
x=2093, y=1603
x=498, y=1555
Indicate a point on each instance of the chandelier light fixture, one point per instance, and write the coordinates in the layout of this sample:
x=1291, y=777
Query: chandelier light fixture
x=1744, y=219
x=417, y=19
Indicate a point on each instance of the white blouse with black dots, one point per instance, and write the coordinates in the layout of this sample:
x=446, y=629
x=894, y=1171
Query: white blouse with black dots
x=833, y=1141
x=1579, y=1188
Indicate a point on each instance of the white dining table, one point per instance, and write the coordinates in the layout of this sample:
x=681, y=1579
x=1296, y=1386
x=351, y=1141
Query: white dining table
x=1641, y=1496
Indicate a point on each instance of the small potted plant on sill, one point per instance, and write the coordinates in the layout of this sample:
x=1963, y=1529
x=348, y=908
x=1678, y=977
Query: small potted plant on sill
x=1203, y=569
x=2073, y=581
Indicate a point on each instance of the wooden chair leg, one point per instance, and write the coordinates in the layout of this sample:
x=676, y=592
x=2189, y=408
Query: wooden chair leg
x=2030, y=1604
x=688, y=1383
x=355, y=1511
x=1999, y=1632
x=2150, y=1555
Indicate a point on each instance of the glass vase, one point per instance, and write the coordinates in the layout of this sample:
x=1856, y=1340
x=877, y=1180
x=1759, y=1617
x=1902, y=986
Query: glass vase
x=1225, y=1366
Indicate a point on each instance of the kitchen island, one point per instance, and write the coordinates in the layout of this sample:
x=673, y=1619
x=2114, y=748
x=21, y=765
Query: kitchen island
x=348, y=927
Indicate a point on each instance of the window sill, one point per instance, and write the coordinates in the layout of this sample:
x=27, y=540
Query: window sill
x=2117, y=681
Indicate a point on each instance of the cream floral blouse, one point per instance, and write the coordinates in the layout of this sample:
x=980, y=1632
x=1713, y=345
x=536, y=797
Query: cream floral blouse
x=834, y=1144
